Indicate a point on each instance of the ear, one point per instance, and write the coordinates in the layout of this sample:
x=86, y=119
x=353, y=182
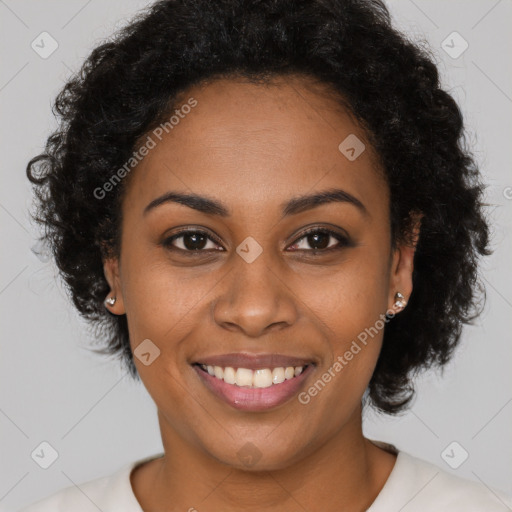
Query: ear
x=112, y=275
x=402, y=264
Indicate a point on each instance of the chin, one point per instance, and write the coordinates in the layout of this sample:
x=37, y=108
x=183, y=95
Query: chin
x=257, y=454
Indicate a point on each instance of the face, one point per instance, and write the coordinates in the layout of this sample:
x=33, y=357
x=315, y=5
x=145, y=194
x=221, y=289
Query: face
x=257, y=278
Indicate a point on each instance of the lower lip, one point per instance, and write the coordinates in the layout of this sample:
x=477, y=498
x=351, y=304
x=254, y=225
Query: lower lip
x=254, y=399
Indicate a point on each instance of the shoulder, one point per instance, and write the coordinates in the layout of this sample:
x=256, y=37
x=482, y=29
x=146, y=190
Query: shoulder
x=456, y=493
x=113, y=493
x=91, y=496
x=84, y=497
x=420, y=486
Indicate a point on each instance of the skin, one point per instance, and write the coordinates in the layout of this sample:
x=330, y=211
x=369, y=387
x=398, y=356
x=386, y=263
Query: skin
x=254, y=147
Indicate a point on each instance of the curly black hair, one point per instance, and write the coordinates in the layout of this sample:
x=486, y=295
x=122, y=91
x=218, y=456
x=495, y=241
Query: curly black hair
x=131, y=82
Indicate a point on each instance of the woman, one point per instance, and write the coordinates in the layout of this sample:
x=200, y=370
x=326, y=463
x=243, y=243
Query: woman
x=269, y=209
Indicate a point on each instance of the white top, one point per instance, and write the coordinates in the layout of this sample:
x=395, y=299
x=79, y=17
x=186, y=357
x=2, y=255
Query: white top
x=413, y=485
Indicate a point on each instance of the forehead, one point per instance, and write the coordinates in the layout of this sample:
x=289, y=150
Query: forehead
x=255, y=143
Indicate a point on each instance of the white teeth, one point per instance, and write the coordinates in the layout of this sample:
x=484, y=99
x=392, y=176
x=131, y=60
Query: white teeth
x=229, y=375
x=298, y=371
x=289, y=373
x=261, y=378
x=278, y=375
x=243, y=377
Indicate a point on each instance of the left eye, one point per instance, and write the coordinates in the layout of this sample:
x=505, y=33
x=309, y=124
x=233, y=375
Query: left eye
x=320, y=238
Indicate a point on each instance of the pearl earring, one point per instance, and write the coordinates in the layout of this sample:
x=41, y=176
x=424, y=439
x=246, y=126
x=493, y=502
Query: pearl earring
x=400, y=301
x=111, y=301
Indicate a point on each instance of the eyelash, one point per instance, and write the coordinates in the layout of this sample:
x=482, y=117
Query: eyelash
x=343, y=241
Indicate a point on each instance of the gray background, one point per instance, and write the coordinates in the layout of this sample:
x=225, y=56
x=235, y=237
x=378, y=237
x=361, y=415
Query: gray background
x=52, y=389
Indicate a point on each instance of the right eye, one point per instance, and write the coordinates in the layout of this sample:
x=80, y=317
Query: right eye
x=191, y=241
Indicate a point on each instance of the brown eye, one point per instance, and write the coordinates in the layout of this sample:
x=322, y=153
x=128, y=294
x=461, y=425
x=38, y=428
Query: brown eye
x=320, y=240
x=190, y=241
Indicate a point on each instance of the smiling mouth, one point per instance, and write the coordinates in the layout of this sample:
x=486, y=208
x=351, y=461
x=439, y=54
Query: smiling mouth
x=254, y=390
x=248, y=378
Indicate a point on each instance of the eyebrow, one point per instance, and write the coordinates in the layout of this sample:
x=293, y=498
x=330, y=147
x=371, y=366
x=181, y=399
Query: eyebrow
x=299, y=204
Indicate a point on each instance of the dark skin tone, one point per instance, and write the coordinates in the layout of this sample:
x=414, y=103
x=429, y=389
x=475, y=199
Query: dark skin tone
x=254, y=147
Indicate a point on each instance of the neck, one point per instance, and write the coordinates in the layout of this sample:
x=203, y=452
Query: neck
x=347, y=470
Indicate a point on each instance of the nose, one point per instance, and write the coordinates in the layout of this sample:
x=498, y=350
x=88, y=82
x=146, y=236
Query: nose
x=255, y=300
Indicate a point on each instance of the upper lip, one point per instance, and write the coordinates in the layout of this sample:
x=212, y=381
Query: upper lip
x=253, y=361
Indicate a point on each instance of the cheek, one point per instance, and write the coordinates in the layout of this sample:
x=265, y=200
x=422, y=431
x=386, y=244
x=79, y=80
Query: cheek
x=165, y=305
x=350, y=297
x=159, y=299
x=351, y=305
